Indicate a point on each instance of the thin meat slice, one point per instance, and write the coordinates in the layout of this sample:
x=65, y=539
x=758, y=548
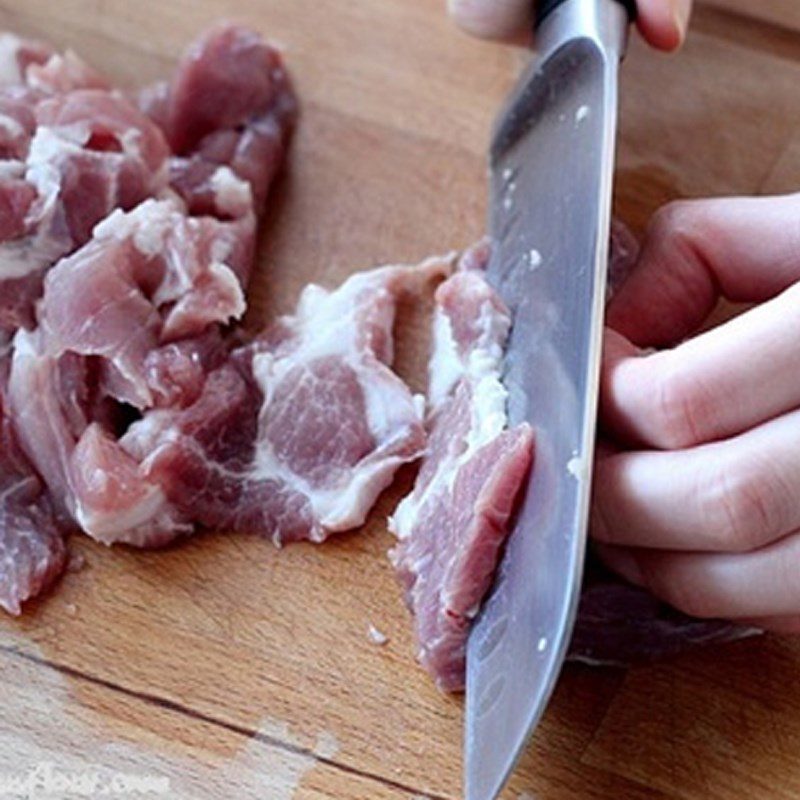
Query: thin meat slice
x=295, y=436
x=32, y=549
x=452, y=526
x=229, y=105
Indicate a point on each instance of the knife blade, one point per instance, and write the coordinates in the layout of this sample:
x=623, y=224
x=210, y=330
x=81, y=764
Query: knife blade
x=551, y=171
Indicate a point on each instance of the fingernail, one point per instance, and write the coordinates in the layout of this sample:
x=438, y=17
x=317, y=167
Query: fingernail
x=622, y=562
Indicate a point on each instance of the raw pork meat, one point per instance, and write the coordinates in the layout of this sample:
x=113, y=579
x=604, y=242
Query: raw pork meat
x=295, y=436
x=32, y=549
x=72, y=150
x=141, y=255
x=230, y=104
x=452, y=526
x=148, y=279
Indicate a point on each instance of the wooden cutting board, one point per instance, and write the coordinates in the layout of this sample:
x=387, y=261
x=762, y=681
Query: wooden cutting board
x=225, y=668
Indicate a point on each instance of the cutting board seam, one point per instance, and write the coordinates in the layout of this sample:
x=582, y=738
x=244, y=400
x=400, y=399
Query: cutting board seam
x=198, y=716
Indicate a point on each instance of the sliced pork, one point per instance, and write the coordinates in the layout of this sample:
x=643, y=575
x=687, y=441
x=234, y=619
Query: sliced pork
x=148, y=279
x=452, y=526
x=295, y=436
x=74, y=151
x=32, y=549
x=230, y=104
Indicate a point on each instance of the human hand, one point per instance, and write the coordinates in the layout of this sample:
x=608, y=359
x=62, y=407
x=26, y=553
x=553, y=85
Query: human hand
x=663, y=23
x=701, y=502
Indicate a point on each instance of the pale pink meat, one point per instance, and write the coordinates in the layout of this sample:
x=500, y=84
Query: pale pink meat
x=452, y=526
x=92, y=151
x=141, y=255
x=230, y=104
x=153, y=284
x=297, y=435
x=32, y=549
x=146, y=278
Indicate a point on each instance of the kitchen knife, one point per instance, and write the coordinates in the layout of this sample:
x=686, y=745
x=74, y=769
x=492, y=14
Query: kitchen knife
x=552, y=159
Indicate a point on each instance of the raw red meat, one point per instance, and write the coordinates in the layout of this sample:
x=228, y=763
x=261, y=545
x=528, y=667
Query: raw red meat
x=32, y=549
x=230, y=104
x=295, y=436
x=147, y=278
x=133, y=309
x=452, y=526
x=74, y=150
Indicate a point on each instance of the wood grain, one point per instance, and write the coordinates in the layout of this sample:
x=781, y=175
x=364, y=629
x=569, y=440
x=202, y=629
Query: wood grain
x=235, y=669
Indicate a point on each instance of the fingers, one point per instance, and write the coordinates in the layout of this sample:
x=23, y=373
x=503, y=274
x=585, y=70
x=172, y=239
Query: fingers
x=718, y=384
x=507, y=20
x=745, y=249
x=754, y=587
x=730, y=496
x=663, y=23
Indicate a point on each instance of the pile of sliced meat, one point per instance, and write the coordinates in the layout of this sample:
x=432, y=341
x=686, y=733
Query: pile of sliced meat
x=130, y=408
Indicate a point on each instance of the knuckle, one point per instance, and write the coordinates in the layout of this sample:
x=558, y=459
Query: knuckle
x=675, y=220
x=744, y=508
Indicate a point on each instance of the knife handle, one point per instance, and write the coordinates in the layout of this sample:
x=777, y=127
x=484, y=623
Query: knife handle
x=543, y=8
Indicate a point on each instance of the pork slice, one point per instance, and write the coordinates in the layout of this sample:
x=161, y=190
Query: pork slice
x=452, y=526
x=146, y=278
x=32, y=548
x=129, y=321
x=104, y=153
x=295, y=436
x=230, y=104
x=92, y=151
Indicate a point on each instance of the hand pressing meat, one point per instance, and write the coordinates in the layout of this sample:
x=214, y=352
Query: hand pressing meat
x=696, y=492
x=663, y=23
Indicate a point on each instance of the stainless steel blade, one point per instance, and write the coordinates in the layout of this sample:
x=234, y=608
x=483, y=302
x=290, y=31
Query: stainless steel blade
x=551, y=182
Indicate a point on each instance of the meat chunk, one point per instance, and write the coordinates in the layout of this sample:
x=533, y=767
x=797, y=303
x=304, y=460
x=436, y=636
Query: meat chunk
x=16, y=55
x=138, y=256
x=295, y=436
x=230, y=105
x=153, y=285
x=32, y=549
x=90, y=151
x=452, y=526
x=71, y=150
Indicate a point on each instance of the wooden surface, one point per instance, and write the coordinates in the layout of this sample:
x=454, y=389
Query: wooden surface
x=224, y=668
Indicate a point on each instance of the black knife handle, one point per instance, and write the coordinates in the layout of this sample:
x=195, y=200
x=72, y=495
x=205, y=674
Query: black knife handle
x=544, y=7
